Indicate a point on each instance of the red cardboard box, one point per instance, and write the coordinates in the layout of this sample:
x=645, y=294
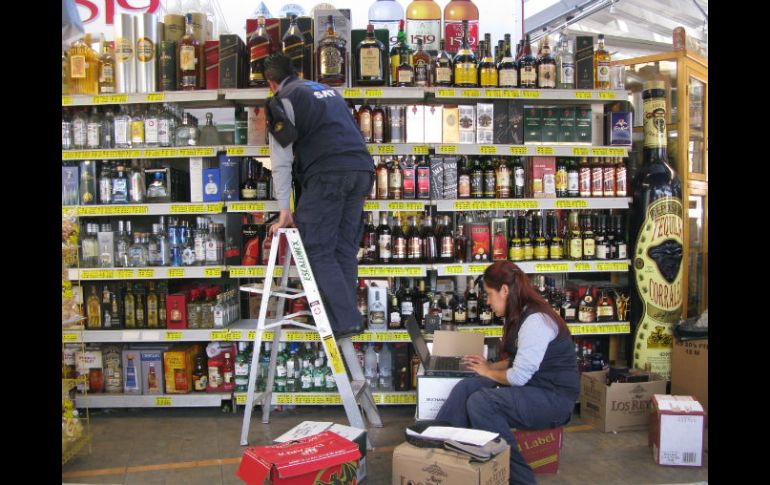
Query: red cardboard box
x=211, y=51
x=480, y=239
x=176, y=311
x=540, y=448
x=676, y=430
x=324, y=457
x=544, y=177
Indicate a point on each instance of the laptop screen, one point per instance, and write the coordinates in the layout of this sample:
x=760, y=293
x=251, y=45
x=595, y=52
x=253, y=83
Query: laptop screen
x=418, y=341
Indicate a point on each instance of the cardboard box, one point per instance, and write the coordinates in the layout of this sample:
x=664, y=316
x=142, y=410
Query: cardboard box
x=451, y=125
x=413, y=465
x=544, y=177
x=415, y=123
x=229, y=176
x=378, y=304
x=151, y=371
x=212, y=191
x=583, y=131
x=197, y=165
x=467, y=121
x=112, y=368
x=550, y=124
x=309, y=428
x=485, y=118
x=434, y=119
x=540, y=448
x=450, y=178
x=533, y=125
x=502, y=134
x=618, y=128
x=308, y=460
x=516, y=119
x=566, y=132
x=436, y=177
x=233, y=62
x=178, y=364
x=132, y=372
x=480, y=240
x=211, y=53
x=676, y=430
x=432, y=393
x=690, y=370
x=257, y=126
x=619, y=406
x=88, y=363
x=584, y=60
x=176, y=311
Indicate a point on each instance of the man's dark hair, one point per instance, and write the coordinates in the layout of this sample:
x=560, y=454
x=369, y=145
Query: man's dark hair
x=278, y=67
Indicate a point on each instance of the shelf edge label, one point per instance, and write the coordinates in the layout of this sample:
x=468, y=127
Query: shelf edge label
x=163, y=401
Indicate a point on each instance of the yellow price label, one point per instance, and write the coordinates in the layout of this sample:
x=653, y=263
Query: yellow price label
x=351, y=93
x=300, y=336
x=406, y=206
x=454, y=269
x=284, y=398
x=110, y=99
x=493, y=93
x=71, y=210
x=371, y=206
x=97, y=274
x=377, y=398
x=477, y=268
x=245, y=206
x=187, y=209
x=446, y=93
x=240, y=399
x=163, y=401
x=581, y=267
x=113, y=210
x=583, y=95
x=530, y=94
x=420, y=150
x=246, y=272
x=398, y=398
x=161, y=153
x=607, y=95
x=65, y=100
x=471, y=93
x=511, y=93
x=123, y=274
x=218, y=335
x=571, y=204
x=599, y=152
x=551, y=267
x=447, y=149
x=173, y=336
x=612, y=266
x=386, y=149
x=214, y=208
x=235, y=151
x=334, y=356
x=580, y=152
x=394, y=271
x=176, y=273
x=197, y=152
x=520, y=204
x=616, y=152
x=373, y=93
x=370, y=148
x=488, y=150
x=263, y=151
x=234, y=335
x=252, y=334
x=544, y=151
x=155, y=97
x=519, y=150
x=579, y=329
x=212, y=272
x=69, y=337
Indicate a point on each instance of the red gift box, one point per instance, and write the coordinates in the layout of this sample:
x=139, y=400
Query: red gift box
x=321, y=458
x=211, y=51
x=540, y=448
x=176, y=311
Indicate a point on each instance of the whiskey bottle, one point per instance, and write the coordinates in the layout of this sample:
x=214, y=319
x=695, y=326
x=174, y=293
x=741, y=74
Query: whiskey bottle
x=331, y=57
x=602, y=252
x=589, y=240
x=597, y=178
x=446, y=242
x=477, y=179
x=190, y=59
x=473, y=302
x=541, y=249
x=621, y=182
x=508, y=73
x=399, y=241
x=409, y=178
x=423, y=67
x=461, y=241
x=546, y=67
x=465, y=66
x=485, y=311
x=423, y=21
x=249, y=186
x=455, y=12
x=605, y=307
x=93, y=310
x=395, y=183
x=487, y=69
x=405, y=74
x=527, y=67
x=556, y=245
x=293, y=45
x=526, y=238
x=430, y=247
x=129, y=313
x=490, y=179
x=382, y=180
x=260, y=46
x=384, y=240
x=609, y=178
x=460, y=311
x=569, y=307
x=106, y=69
x=463, y=179
x=395, y=54
x=573, y=178
x=371, y=65
x=587, y=307
x=502, y=179
x=365, y=122
x=442, y=67
x=83, y=64
x=423, y=178
x=575, y=237
x=602, y=62
x=413, y=242
x=620, y=251
x=516, y=249
x=369, y=241
x=378, y=123
x=518, y=178
x=561, y=178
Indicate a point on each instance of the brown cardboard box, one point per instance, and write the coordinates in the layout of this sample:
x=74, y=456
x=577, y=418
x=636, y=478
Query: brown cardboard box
x=451, y=131
x=435, y=465
x=619, y=406
x=432, y=393
x=178, y=364
x=690, y=370
x=676, y=431
x=257, y=126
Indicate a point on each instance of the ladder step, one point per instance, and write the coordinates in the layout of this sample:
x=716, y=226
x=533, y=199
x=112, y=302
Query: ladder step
x=279, y=291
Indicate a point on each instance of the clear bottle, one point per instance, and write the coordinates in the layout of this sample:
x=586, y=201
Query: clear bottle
x=120, y=186
x=137, y=128
x=122, y=133
x=137, y=187
x=214, y=245
x=187, y=242
x=108, y=129
x=89, y=247
x=122, y=243
x=209, y=135
x=566, y=65
x=151, y=131
x=106, y=68
x=94, y=130
x=165, y=128
x=80, y=130
x=157, y=187
x=386, y=14
x=187, y=134
x=105, y=183
x=370, y=367
x=423, y=20
x=200, y=235
x=137, y=252
x=386, y=368
x=66, y=130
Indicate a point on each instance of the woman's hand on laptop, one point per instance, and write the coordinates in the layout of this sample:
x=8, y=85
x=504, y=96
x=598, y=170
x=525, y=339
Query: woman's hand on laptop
x=477, y=364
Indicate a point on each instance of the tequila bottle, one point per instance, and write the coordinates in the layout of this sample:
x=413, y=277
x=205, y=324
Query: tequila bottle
x=209, y=135
x=122, y=133
x=187, y=134
x=94, y=130
x=190, y=59
x=137, y=252
x=106, y=69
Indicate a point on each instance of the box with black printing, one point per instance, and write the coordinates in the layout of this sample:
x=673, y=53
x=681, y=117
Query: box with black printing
x=502, y=127
x=436, y=177
x=450, y=178
x=550, y=123
x=566, y=125
x=233, y=62
x=617, y=126
x=584, y=59
x=533, y=124
x=516, y=119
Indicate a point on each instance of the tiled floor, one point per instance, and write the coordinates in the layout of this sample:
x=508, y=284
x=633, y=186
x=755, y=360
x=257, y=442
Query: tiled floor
x=201, y=446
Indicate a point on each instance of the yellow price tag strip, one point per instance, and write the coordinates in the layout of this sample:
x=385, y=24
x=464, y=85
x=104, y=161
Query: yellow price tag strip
x=544, y=151
x=492, y=331
x=160, y=153
x=531, y=94
x=240, y=399
x=447, y=149
x=369, y=271
x=488, y=150
x=124, y=274
x=599, y=152
x=608, y=95
x=69, y=337
x=234, y=335
x=551, y=267
x=599, y=329
x=247, y=271
x=156, y=97
x=386, y=149
x=406, y=206
x=612, y=266
x=420, y=150
x=477, y=268
x=377, y=398
x=370, y=148
x=371, y=206
x=176, y=273
x=454, y=269
x=97, y=274
x=351, y=93
x=212, y=272
x=580, y=152
x=616, y=152
x=197, y=152
x=373, y=93
x=583, y=95
x=173, y=336
x=65, y=100
x=264, y=151
x=284, y=398
x=446, y=93
x=581, y=267
x=235, y=151
x=519, y=150
x=163, y=401
x=471, y=93
x=113, y=210
x=493, y=93
x=252, y=334
x=571, y=204
x=110, y=99
x=398, y=398
x=511, y=93
x=218, y=335
x=520, y=204
x=334, y=355
x=300, y=336
x=245, y=206
x=145, y=273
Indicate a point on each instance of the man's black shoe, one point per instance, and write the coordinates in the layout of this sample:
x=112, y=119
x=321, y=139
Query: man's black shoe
x=348, y=332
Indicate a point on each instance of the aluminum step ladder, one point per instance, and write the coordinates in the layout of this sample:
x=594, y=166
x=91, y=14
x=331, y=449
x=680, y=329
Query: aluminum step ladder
x=351, y=392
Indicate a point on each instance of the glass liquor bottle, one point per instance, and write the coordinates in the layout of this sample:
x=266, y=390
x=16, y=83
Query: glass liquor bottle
x=136, y=190
x=620, y=251
x=395, y=54
x=122, y=128
x=413, y=242
x=575, y=237
x=151, y=125
x=605, y=307
x=365, y=122
x=584, y=177
x=423, y=67
x=405, y=73
x=93, y=310
x=446, y=242
x=507, y=71
x=138, y=252
x=371, y=54
x=461, y=241
x=386, y=14
x=485, y=310
x=473, y=302
x=515, y=248
x=527, y=67
x=556, y=244
x=89, y=247
x=541, y=250
x=566, y=65
x=378, y=123
x=83, y=64
x=573, y=178
x=209, y=134
x=263, y=183
x=546, y=67
x=526, y=238
x=589, y=239
x=442, y=67
x=490, y=179
x=405, y=301
x=187, y=133
x=460, y=311
x=293, y=45
x=260, y=46
x=463, y=179
x=621, y=178
x=129, y=310
x=190, y=59
x=609, y=178
x=384, y=240
x=369, y=241
x=80, y=130
x=106, y=69
x=600, y=237
x=477, y=179
x=602, y=61
x=395, y=182
x=423, y=178
x=398, y=240
x=430, y=248
x=561, y=177
x=137, y=127
x=331, y=55
x=597, y=178
x=455, y=12
x=120, y=186
x=587, y=307
x=465, y=66
x=361, y=300
x=488, y=70
x=381, y=172
x=423, y=21
x=94, y=129
x=518, y=178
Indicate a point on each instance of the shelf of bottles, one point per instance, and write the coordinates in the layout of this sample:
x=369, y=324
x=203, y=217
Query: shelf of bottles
x=146, y=273
x=323, y=398
x=197, y=400
x=142, y=98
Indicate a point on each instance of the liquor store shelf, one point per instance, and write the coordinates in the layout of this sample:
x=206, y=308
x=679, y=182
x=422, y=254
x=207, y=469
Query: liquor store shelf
x=169, y=209
x=374, y=148
x=226, y=97
x=149, y=273
x=203, y=399
x=244, y=331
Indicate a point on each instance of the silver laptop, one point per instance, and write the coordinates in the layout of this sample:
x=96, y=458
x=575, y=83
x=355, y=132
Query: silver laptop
x=435, y=365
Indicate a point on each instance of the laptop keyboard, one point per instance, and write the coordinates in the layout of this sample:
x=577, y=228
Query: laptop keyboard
x=446, y=363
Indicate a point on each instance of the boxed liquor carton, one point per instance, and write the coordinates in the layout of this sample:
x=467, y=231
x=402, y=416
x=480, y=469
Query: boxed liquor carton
x=619, y=406
x=617, y=126
x=415, y=123
x=70, y=190
x=451, y=125
x=540, y=448
x=152, y=371
x=88, y=363
x=432, y=393
x=342, y=26
x=229, y=176
x=566, y=132
x=305, y=25
x=676, y=430
x=533, y=124
x=132, y=371
x=436, y=465
x=583, y=132
x=176, y=311
x=499, y=239
x=309, y=428
x=197, y=165
x=315, y=458
x=544, y=177
x=480, y=239
x=485, y=117
x=450, y=178
x=211, y=53
x=378, y=302
x=434, y=119
x=502, y=127
x=436, y=177
x=584, y=60
x=257, y=126
x=178, y=363
x=690, y=371
x=467, y=122
x=113, y=369
x=233, y=62
x=550, y=123
x=251, y=237
x=211, y=185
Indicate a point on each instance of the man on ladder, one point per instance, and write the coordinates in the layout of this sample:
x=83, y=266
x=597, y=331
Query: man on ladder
x=314, y=138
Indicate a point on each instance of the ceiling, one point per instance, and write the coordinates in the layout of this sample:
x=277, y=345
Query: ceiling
x=632, y=28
